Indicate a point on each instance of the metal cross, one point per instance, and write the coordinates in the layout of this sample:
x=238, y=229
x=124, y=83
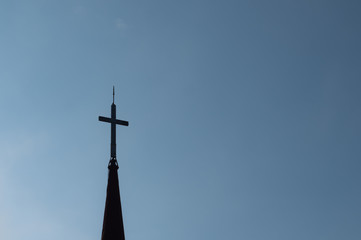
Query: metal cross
x=113, y=121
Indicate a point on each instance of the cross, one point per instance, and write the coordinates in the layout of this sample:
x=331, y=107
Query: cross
x=113, y=121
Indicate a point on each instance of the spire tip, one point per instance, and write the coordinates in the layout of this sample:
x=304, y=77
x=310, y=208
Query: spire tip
x=113, y=94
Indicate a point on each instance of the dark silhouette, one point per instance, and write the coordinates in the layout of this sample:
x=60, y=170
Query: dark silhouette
x=113, y=228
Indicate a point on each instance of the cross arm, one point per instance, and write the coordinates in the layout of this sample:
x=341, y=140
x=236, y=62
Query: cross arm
x=105, y=119
x=121, y=122
x=116, y=121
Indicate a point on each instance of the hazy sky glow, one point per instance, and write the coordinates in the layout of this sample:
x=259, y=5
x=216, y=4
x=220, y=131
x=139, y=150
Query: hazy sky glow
x=244, y=118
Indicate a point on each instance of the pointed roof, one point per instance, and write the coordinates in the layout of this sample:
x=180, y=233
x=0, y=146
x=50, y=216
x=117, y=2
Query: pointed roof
x=113, y=228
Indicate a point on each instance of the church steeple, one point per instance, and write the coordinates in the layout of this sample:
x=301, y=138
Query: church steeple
x=113, y=228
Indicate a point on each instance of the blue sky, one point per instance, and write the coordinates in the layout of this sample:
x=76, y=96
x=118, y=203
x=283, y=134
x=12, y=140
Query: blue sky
x=244, y=118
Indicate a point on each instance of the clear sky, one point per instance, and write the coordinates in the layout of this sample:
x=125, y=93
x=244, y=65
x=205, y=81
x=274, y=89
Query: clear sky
x=244, y=118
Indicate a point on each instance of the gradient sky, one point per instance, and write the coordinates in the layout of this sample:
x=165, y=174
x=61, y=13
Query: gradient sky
x=244, y=118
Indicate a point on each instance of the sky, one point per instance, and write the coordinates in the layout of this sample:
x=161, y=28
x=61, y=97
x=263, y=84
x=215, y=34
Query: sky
x=244, y=118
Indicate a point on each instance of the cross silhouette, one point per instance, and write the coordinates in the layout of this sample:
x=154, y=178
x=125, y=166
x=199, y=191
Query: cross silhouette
x=113, y=121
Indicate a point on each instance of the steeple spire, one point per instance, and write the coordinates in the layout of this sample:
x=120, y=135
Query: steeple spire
x=113, y=228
